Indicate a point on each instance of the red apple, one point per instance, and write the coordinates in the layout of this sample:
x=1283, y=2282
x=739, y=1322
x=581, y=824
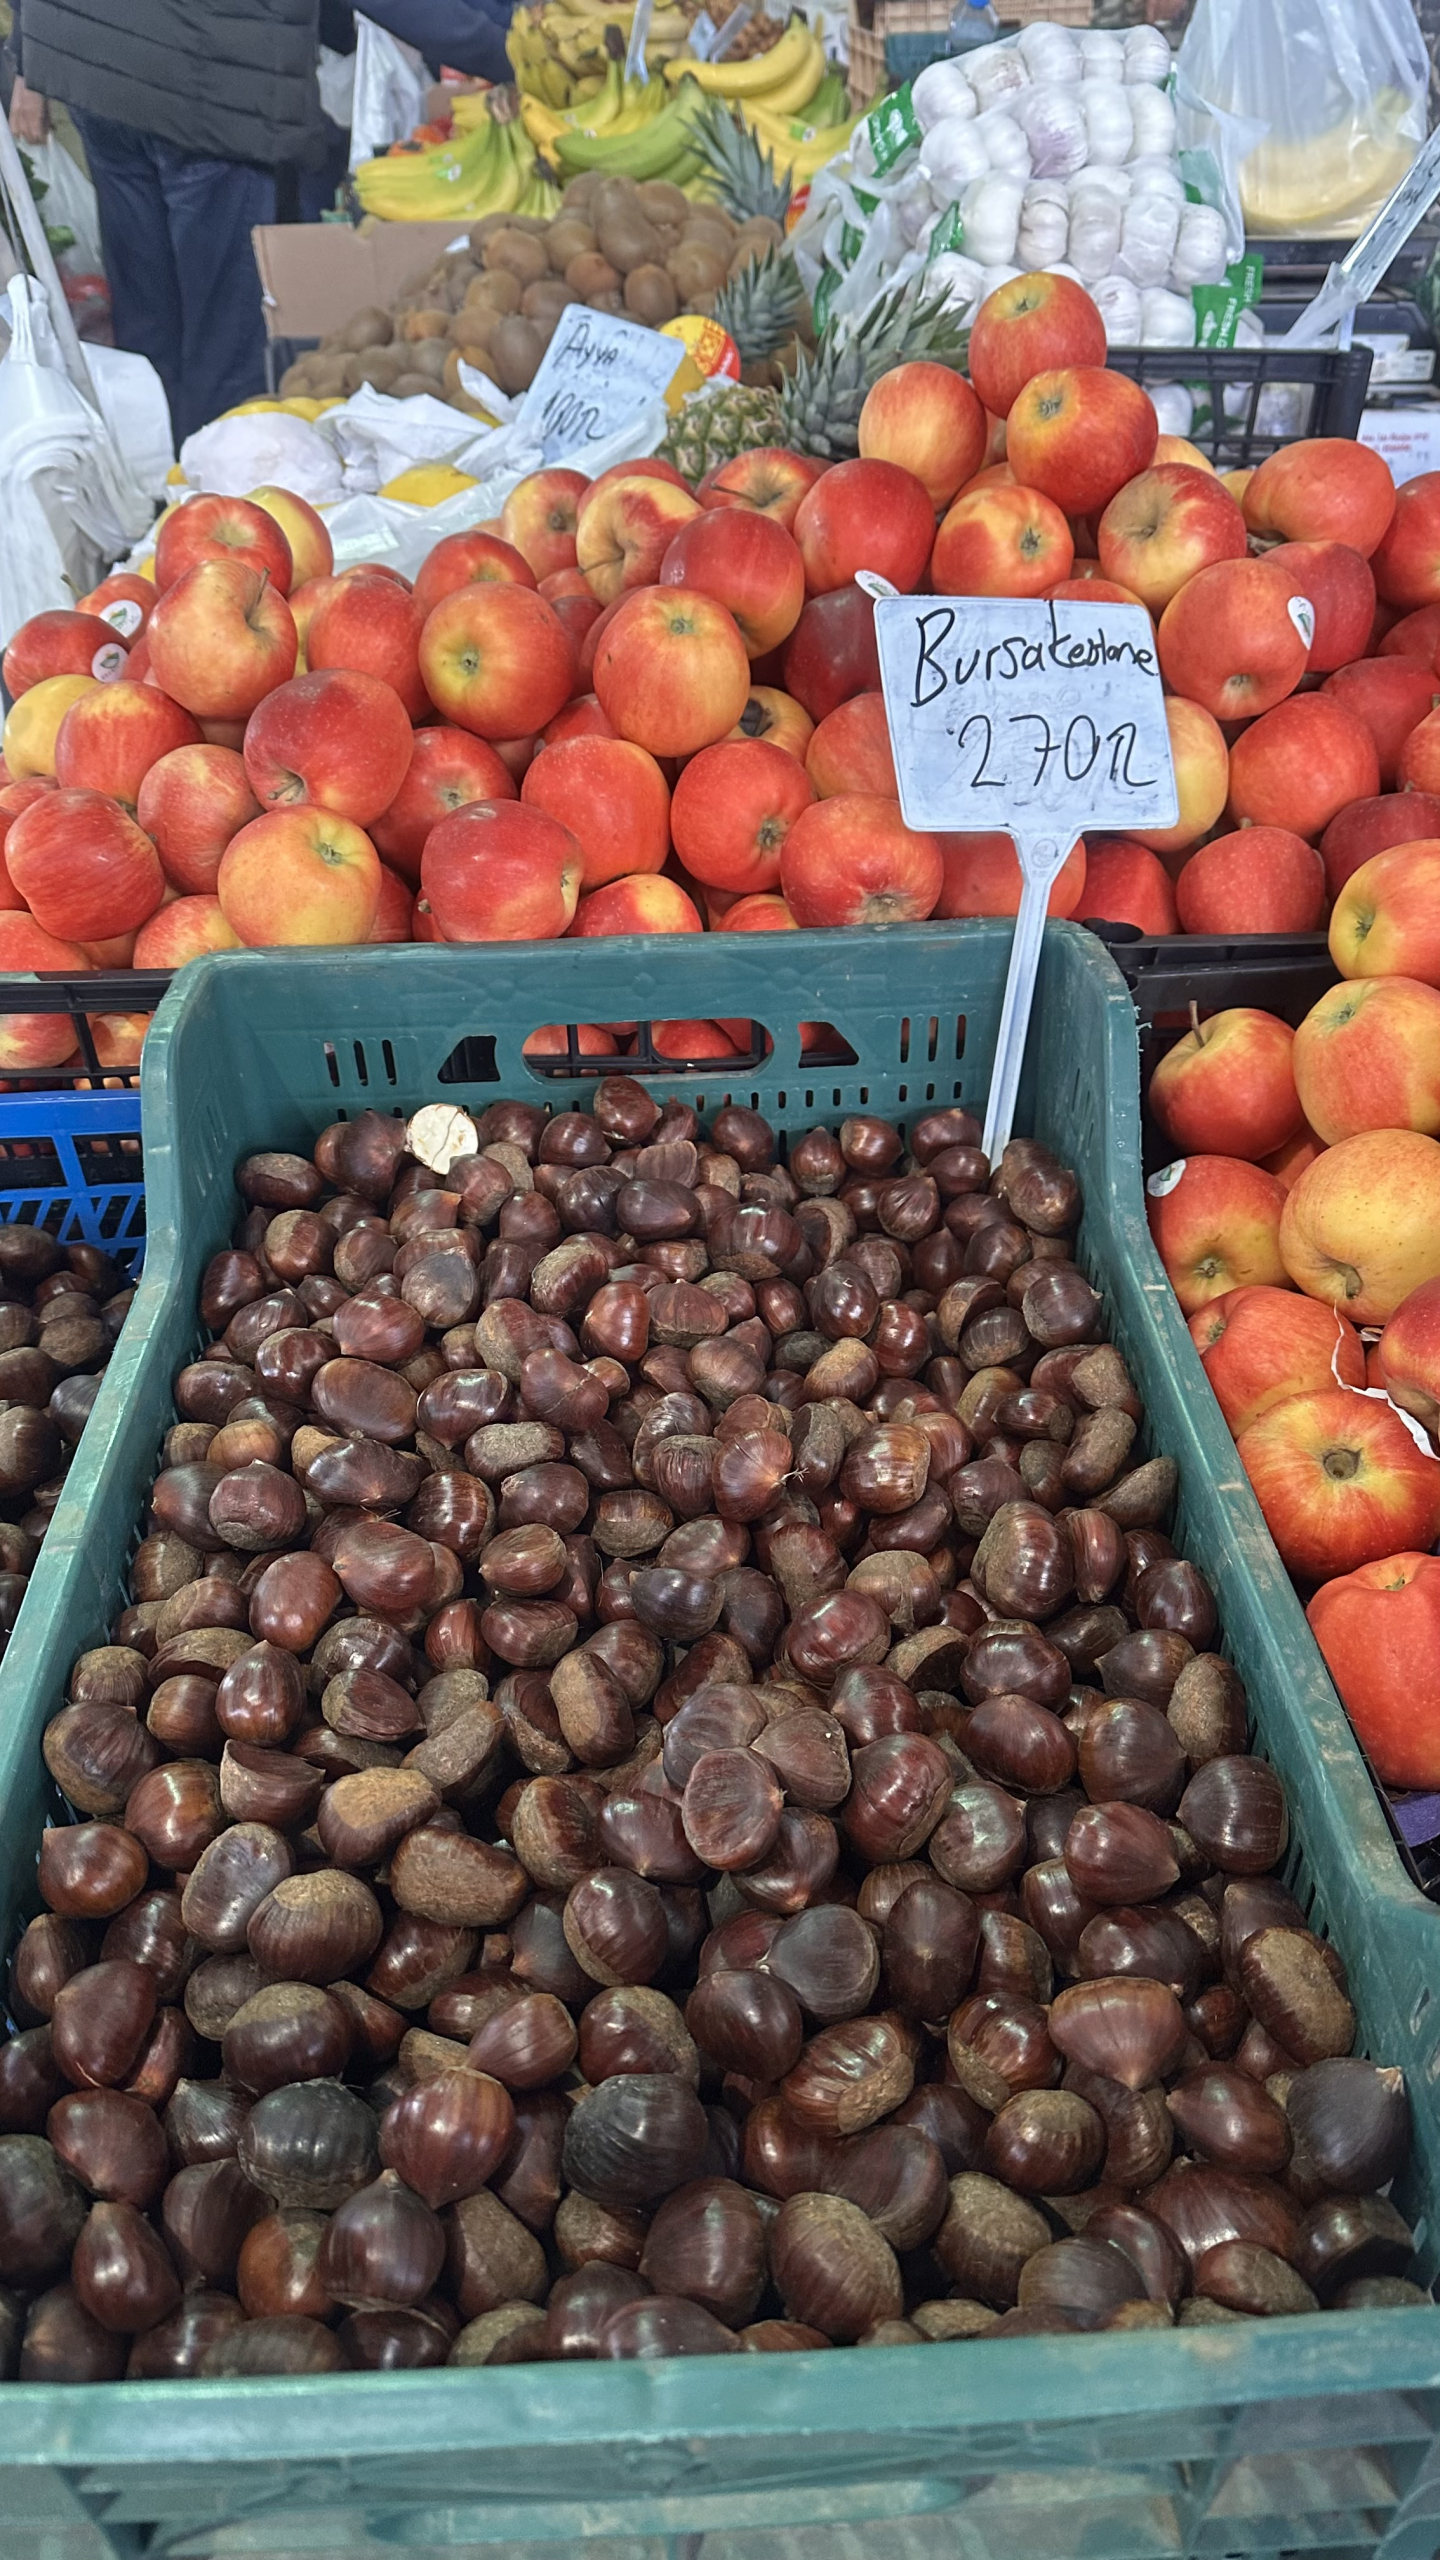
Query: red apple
x=228, y=529
x=83, y=866
x=1387, y=916
x=221, y=638
x=1228, y=1087
x=1367, y=1056
x=643, y=902
x=1415, y=635
x=1127, y=884
x=311, y=552
x=582, y=717
x=749, y=564
x=474, y=559
x=538, y=519
x=1369, y=827
x=614, y=799
x=1407, y=562
x=1257, y=1346
x=1338, y=584
x=1392, y=696
x=1001, y=541
x=395, y=912
x=1259, y=880
x=767, y=479
x=61, y=644
x=568, y=594
x=1379, y=1630
x=926, y=418
x=671, y=670
x=1164, y=526
x=850, y=750
x=1229, y=641
x=762, y=913
x=625, y=530
x=498, y=872
x=516, y=755
x=448, y=768
x=15, y=796
x=1216, y=1225
x=191, y=803
x=31, y=1042
x=372, y=628
x=1086, y=586
x=776, y=718
x=1336, y=1247
x=733, y=809
x=1078, y=434
x=184, y=930
x=865, y=515
x=982, y=877
x=853, y=860
x=1419, y=766
x=339, y=739
x=299, y=875
x=1324, y=489
x=1287, y=1163
x=650, y=467
x=831, y=652
x=1202, y=776
x=1034, y=324
x=495, y=658
x=552, y=1040
x=1409, y=1350
x=110, y=739
x=124, y=600
x=1299, y=765
x=691, y=1040
x=1340, y=1482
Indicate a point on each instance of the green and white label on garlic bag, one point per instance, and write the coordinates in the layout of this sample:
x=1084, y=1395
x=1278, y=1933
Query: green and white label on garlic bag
x=891, y=129
x=948, y=235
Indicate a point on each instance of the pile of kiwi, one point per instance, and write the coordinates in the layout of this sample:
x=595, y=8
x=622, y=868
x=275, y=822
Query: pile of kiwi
x=642, y=249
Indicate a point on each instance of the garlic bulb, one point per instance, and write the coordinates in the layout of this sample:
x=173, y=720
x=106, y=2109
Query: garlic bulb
x=1200, y=248
x=1249, y=330
x=1044, y=230
x=1173, y=406
x=1155, y=178
x=1053, y=123
x=953, y=154
x=1094, y=235
x=1118, y=303
x=1153, y=117
x=1109, y=122
x=993, y=70
x=1102, y=55
x=992, y=279
x=1149, y=227
x=1101, y=180
x=960, y=280
x=1008, y=150
x=916, y=213
x=1166, y=319
x=1050, y=52
x=941, y=90
x=1147, y=55
x=991, y=213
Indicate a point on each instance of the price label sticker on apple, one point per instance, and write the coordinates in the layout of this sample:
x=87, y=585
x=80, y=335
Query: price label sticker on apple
x=594, y=375
x=1029, y=719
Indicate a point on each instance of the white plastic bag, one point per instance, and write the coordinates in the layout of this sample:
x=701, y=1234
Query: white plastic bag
x=1312, y=109
x=234, y=455
x=391, y=80
x=68, y=203
x=68, y=501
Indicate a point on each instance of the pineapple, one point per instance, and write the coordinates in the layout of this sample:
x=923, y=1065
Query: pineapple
x=743, y=170
x=714, y=425
x=820, y=403
x=760, y=305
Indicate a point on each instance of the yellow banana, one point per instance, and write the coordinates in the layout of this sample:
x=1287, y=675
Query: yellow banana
x=788, y=96
x=750, y=78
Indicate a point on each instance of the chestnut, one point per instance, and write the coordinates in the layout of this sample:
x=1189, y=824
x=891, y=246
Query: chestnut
x=833, y=2269
x=707, y=2245
x=634, y=2138
x=309, y=2146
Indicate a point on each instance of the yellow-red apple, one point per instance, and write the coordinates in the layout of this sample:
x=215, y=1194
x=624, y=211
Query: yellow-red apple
x=109, y=739
x=339, y=739
x=1288, y=1162
x=1229, y=640
x=185, y=930
x=733, y=808
x=31, y=1042
x=982, y=877
x=1392, y=696
x=1340, y=1482
x=581, y=717
x=448, y=768
x=1324, y=489
x=1379, y=1630
x=1202, y=776
x=498, y=872
x=312, y=553
x=767, y=478
x=552, y=1040
x=373, y=628
x=495, y=658
x=82, y=865
x=926, y=418
x=15, y=796
x=299, y=875
x=764, y=912
x=228, y=529
x=1258, y=880
x=1001, y=541
x=1033, y=324
x=1078, y=434
x=777, y=718
x=1228, y=1087
x=614, y=799
x=1164, y=526
x=625, y=530
x=191, y=803
x=1340, y=589
x=671, y=670
x=1361, y=1226
x=538, y=519
x=124, y=600
x=1216, y=1225
x=1369, y=827
x=853, y=860
x=474, y=559
x=1407, y=562
x=1259, y=1345
x=395, y=910
x=32, y=724
x=850, y=750
x=1386, y=921
x=1409, y=1353
x=640, y=902
x=749, y=564
x=1367, y=1056
x=61, y=644
x=865, y=515
x=222, y=637
x=1299, y=765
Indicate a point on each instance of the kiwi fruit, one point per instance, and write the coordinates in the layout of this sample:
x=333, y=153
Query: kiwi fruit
x=430, y=323
x=590, y=274
x=480, y=231
x=295, y=380
x=369, y=328
x=568, y=237
x=650, y=296
x=580, y=195
x=412, y=386
x=606, y=302
x=663, y=203
x=627, y=240
x=351, y=374
x=515, y=352
x=497, y=290
x=382, y=366
x=694, y=268
x=519, y=253
x=544, y=302
x=614, y=195
x=428, y=358
x=475, y=326
x=328, y=376
x=760, y=233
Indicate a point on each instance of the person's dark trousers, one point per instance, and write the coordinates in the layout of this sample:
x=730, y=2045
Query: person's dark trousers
x=183, y=283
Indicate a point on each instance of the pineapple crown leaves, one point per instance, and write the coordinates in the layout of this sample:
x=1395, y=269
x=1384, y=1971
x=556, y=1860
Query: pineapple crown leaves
x=761, y=304
x=742, y=167
x=822, y=400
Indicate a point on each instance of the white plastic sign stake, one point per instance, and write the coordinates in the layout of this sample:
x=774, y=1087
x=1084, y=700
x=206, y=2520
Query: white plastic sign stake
x=639, y=38
x=1031, y=720
x=594, y=375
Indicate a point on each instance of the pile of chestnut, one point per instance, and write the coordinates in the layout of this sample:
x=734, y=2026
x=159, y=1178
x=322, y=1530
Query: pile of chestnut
x=61, y=1310
x=662, y=1790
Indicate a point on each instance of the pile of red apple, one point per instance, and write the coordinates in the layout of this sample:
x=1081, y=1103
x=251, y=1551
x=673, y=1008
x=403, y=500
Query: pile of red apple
x=1300, y=1227
x=625, y=707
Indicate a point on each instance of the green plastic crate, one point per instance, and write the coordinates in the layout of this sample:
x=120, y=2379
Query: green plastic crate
x=1313, y=2436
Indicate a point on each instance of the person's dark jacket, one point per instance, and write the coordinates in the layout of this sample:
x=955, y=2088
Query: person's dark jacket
x=458, y=35
x=225, y=79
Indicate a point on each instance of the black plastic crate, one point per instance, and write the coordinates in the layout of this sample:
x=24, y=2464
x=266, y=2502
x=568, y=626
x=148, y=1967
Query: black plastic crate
x=1332, y=382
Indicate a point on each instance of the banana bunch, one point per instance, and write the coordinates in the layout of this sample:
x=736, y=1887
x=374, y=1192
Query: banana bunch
x=779, y=82
x=557, y=47
x=633, y=130
x=488, y=169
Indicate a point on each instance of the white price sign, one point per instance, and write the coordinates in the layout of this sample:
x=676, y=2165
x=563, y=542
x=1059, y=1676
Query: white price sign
x=1032, y=720
x=595, y=373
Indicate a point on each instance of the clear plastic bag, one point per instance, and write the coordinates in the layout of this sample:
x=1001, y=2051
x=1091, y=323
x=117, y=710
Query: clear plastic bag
x=68, y=203
x=68, y=500
x=1312, y=109
x=388, y=101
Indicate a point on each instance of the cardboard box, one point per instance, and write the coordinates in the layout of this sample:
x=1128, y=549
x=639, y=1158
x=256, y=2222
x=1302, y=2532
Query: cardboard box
x=315, y=275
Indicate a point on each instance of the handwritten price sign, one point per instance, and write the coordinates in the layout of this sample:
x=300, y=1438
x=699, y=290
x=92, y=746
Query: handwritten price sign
x=1030, y=720
x=595, y=373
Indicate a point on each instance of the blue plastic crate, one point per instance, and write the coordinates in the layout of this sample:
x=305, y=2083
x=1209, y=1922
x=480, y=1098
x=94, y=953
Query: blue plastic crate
x=72, y=1162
